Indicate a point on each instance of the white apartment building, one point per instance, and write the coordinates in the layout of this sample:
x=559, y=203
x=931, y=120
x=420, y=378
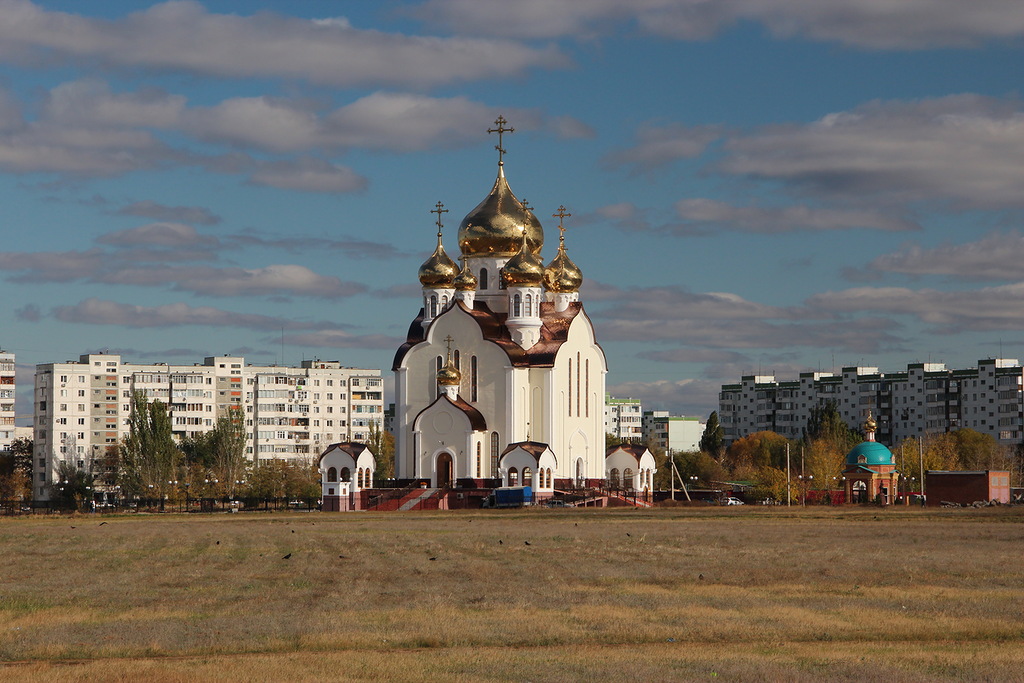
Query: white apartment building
x=82, y=407
x=623, y=418
x=7, y=388
x=672, y=432
x=927, y=398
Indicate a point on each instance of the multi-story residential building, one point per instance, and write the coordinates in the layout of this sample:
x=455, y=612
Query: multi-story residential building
x=623, y=418
x=927, y=398
x=82, y=408
x=7, y=389
x=672, y=432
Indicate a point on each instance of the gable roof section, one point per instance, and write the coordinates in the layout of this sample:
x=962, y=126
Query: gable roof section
x=534, y=448
x=353, y=448
x=634, y=449
x=475, y=417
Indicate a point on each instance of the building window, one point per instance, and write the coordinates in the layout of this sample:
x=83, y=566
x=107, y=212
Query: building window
x=577, y=384
x=586, y=399
x=483, y=278
x=472, y=378
x=517, y=305
x=570, y=387
x=494, y=453
x=479, y=459
x=529, y=305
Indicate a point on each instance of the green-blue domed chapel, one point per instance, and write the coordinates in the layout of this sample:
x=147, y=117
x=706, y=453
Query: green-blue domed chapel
x=870, y=474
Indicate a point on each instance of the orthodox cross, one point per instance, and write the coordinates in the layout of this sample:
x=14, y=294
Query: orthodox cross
x=448, y=340
x=439, y=209
x=562, y=214
x=500, y=130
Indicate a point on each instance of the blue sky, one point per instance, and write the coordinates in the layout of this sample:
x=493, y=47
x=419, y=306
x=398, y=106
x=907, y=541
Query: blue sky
x=768, y=186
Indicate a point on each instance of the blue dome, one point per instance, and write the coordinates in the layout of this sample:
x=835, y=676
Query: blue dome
x=873, y=453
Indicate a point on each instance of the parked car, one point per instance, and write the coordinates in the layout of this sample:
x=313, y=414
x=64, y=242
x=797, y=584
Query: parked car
x=732, y=501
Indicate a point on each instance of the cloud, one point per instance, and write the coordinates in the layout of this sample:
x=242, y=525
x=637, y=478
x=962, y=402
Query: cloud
x=657, y=146
x=29, y=313
x=175, y=214
x=707, y=216
x=948, y=312
x=95, y=311
x=183, y=36
x=691, y=355
x=127, y=268
x=884, y=24
x=680, y=397
x=676, y=303
x=964, y=149
x=342, y=340
x=999, y=256
x=159, y=235
x=352, y=247
x=307, y=174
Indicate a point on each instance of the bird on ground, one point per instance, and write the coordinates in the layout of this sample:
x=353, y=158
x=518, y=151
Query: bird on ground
x=288, y=556
x=629, y=534
x=432, y=559
x=700, y=576
x=102, y=523
x=500, y=542
x=293, y=531
x=341, y=557
x=218, y=542
x=74, y=527
x=526, y=542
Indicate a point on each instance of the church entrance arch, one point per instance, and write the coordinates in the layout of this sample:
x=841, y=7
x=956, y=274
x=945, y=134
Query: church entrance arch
x=860, y=492
x=445, y=470
x=580, y=475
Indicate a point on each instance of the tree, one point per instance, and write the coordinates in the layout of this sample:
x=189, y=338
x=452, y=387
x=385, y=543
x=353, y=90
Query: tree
x=16, y=470
x=73, y=485
x=149, y=456
x=382, y=443
x=826, y=423
x=714, y=435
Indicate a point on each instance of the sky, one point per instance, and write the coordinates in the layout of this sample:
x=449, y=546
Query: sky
x=756, y=186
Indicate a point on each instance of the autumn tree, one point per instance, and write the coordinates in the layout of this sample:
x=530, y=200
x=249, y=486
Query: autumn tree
x=219, y=453
x=16, y=470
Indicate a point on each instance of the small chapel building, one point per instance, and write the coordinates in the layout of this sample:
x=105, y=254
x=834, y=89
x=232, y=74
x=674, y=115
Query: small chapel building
x=870, y=474
x=501, y=380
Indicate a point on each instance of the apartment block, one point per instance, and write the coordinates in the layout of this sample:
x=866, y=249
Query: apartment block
x=623, y=418
x=927, y=398
x=7, y=389
x=82, y=408
x=672, y=432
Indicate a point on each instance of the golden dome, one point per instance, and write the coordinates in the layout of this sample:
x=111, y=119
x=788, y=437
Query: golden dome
x=438, y=271
x=449, y=375
x=525, y=269
x=465, y=281
x=562, y=276
x=870, y=425
x=495, y=227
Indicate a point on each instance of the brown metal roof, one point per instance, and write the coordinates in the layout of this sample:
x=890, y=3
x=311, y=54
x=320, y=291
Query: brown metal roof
x=353, y=448
x=534, y=448
x=476, y=418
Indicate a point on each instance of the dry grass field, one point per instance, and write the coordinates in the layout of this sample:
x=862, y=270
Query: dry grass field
x=540, y=595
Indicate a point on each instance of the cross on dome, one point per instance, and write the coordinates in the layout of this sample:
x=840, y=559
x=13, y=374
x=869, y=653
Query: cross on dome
x=439, y=209
x=500, y=130
x=561, y=215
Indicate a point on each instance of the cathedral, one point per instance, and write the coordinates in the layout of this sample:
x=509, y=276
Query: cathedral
x=501, y=381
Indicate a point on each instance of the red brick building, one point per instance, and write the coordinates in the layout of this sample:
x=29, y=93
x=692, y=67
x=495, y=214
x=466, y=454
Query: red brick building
x=967, y=487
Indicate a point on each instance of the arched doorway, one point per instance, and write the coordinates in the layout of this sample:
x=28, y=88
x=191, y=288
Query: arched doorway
x=860, y=492
x=445, y=470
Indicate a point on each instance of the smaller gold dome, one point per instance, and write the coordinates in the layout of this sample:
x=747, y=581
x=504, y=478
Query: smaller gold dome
x=562, y=275
x=870, y=425
x=449, y=376
x=465, y=281
x=524, y=269
x=438, y=271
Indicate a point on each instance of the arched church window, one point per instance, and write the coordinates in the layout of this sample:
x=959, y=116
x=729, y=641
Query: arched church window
x=494, y=454
x=570, y=387
x=627, y=478
x=577, y=384
x=457, y=360
x=483, y=278
x=479, y=459
x=444, y=302
x=472, y=378
x=613, y=478
x=550, y=484
x=433, y=306
x=359, y=477
x=332, y=474
x=529, y=305
x=517, y=306
x=527, y=476
x=346, y=474
x=586, y=392
x=513, y=477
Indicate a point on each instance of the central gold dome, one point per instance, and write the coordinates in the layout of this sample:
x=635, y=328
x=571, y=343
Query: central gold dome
x=495, y=227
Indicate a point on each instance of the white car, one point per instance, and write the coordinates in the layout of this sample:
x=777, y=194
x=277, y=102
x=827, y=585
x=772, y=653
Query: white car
x=732, y=501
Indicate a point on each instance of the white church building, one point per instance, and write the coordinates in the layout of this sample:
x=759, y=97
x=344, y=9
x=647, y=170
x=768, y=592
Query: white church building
x=501, y=380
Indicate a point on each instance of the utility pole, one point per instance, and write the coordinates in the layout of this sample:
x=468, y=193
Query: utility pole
x=789, y=496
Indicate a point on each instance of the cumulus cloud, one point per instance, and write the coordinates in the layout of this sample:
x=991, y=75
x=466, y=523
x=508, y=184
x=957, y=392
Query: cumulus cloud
x=183, y=36
x=999, y=256
x=965, y=149
x=175, y=214
x=676, y=303
x=680, y=397
x=706, y=216
x=352, y=247
x=885, y=24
